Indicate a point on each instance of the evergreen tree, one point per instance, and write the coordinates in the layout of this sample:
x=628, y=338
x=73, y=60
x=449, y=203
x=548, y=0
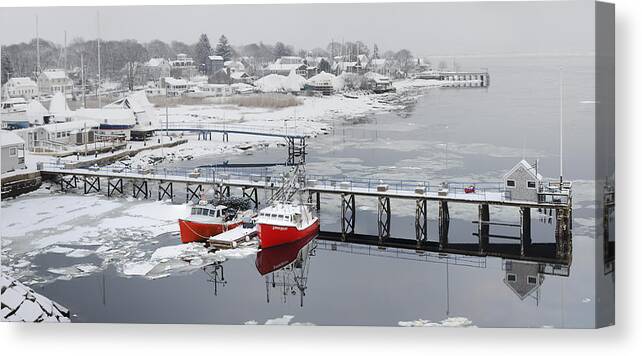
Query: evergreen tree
x=6, y=68
x=223, y=48
x=375, y=52
x=202, y=50
x=281, y=50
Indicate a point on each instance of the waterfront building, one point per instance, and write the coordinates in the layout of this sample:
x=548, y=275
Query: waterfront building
x=13, y=151
x=20, y=87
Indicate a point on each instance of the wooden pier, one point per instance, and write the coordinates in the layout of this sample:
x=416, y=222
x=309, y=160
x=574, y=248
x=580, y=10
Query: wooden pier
x=550, y=198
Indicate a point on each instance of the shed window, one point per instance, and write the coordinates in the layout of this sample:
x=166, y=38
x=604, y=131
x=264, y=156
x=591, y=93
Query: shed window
x=532, y=280
x=531, y=184
x=511, y=277
x=510, y=183
x=13, y=152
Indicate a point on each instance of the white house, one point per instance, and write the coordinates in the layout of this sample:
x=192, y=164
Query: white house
x=174, y=87
x=20, y=87
x=13, y=151
x=183, y=66
x=523, y=182
x=53, y=81
x=157, y=68
x=287, y=64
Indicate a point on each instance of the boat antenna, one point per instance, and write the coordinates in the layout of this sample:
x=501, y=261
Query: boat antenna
x=561, y=126
x=37, y=58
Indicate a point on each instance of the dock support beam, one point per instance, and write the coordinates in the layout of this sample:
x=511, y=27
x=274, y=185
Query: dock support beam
x=252, y=194
x=348, y=213
x=140, y=189
x=421, y=221
x=483, y=228
x=562, y=231
x=314, y=198
x=68, y=183
x=226, y=137
x=91, y=184
x=222, y=191
x=165, y=190
x=383, y=213
x=524, y=230
x=193, y=193
x=114, y=187
x=444, y=224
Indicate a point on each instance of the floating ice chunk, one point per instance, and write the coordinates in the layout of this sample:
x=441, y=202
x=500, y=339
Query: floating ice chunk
x=21, y=264
x=179, y=251
x=586, y=300
x=59, y=249
x=87, y=268
x=284, y=320
x=251, y=322
x=303, y=324
x=138, y=268
x=80, y=253
x=237, y=253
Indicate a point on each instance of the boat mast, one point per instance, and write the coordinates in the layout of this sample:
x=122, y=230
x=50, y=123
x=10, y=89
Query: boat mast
x=561, y=127
x=98, y=41
x=37, y=58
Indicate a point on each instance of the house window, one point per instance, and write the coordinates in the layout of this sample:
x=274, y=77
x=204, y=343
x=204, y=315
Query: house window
x=511, y=277
x=531, y=184
x=532, y=280
x=13, y=152
x=510, y=183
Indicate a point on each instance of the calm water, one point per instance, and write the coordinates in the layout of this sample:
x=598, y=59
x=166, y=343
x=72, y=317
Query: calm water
x=467, y=134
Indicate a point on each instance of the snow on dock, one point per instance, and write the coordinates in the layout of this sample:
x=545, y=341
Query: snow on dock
x=21, y=303
x=231, y=238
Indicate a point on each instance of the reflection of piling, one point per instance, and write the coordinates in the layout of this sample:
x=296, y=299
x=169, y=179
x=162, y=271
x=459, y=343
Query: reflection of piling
x=444, y=223
x=524, y=229
x=483, y=228
x=421, y=221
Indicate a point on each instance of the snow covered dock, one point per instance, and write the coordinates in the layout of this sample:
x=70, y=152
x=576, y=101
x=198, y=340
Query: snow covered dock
x=231, y=238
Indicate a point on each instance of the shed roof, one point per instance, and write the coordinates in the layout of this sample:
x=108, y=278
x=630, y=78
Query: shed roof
x=527, y=166
x=8, y=138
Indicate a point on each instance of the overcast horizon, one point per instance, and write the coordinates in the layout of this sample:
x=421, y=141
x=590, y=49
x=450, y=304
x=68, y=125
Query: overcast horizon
x=426, y=29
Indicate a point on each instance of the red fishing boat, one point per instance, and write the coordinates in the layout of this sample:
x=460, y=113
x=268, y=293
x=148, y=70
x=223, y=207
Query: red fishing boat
x=207, y=220
x=283, y=223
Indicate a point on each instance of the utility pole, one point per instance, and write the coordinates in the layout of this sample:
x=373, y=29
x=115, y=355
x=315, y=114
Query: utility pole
x=82, y=80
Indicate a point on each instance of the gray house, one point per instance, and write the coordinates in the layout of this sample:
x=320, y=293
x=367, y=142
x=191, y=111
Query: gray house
x=13, y=151
x=522, y=182
x=523, y=278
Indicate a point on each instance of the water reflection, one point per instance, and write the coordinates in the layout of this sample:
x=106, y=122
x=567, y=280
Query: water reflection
x=286, y=268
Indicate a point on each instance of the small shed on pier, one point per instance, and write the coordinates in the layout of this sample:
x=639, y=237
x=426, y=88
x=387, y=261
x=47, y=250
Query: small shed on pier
x=523, y=182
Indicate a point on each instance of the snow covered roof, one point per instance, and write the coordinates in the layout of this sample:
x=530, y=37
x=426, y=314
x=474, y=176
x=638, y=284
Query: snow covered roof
x=105, y=115
x=155, y=62
x=215, y=58
x=8, y=138
x=58, y=104
x=527, y=166
x=20, y=81
x=175, y=82
x=289, y=60
x=238, y=75
x=284, y=67
x=55, y=74
x=379, y=78
x=234, y=65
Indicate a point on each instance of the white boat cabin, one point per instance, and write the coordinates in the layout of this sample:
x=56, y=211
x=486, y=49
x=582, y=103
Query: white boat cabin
x=209, y=212
x=286, y=215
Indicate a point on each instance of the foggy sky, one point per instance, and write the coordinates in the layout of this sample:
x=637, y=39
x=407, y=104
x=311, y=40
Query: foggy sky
x=427, y=29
